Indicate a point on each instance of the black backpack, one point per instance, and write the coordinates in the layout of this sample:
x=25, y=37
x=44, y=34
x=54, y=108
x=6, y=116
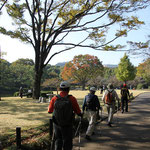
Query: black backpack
x=90, y=102
x=124, y=93
x=63, y=111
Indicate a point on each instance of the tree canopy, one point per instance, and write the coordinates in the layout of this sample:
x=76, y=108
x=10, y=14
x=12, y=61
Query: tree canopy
x=82, y=68
x=143, y=70
x=50, y=23
x=125, y=71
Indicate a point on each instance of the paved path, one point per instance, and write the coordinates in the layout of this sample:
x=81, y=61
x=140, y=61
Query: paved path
x=130, y=131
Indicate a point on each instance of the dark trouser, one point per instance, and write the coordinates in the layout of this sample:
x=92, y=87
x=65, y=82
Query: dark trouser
x=124, y=103
x=63, y=137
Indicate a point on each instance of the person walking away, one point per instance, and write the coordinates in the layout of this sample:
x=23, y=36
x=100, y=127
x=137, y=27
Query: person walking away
x=124, y=98
x=92, y=105
x=109, y=97
x=101, y=90
x=63, y=106
x=21, y=92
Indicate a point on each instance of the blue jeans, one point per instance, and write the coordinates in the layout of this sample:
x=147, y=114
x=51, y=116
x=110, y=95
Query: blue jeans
x=63, y=137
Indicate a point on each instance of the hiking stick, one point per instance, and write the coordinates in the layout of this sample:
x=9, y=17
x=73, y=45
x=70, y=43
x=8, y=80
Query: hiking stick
x=78, y=131
x=78, y=128
x=100, y=123
x=53, y=142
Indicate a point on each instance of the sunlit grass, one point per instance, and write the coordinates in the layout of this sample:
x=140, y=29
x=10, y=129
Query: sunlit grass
x=27, y=113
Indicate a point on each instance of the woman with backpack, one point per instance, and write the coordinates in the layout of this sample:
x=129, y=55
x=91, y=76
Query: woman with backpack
x=109, y=97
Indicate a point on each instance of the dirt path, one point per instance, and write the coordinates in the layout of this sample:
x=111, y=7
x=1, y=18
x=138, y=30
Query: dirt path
x=130, y=131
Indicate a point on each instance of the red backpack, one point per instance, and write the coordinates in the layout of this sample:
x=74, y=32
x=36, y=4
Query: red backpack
x=109, y=97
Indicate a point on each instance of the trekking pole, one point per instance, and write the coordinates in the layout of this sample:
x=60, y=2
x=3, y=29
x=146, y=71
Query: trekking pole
x=53, y=142
x=117, y=113
x=78, y=128
x=100, y=132
x=78, y=131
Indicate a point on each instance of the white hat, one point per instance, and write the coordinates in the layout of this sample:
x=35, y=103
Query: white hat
x=92, y=89
x=64, y=84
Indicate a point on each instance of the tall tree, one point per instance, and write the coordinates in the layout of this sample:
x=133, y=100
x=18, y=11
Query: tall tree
x=5, y=75
x=48, y=23
x=22, y=70
x=82, y=68
x=143, y=70
x=125, y=71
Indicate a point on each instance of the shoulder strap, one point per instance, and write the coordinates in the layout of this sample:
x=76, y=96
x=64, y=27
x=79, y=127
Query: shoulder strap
x=58, y=96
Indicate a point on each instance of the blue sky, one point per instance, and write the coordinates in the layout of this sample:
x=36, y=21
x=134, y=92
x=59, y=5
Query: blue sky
x=16, y=49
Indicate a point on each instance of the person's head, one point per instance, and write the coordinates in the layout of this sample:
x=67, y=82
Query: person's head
x=92, y=90
x=65, y=86
x=110, y=86
x=124, y=85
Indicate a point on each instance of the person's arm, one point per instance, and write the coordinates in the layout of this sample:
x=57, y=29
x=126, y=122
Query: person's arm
x=51, y=105
x=128, y=93
x=97, y=103
x=84, y=104
x=103, y=97
x=117, y=98
x=121, y=92
x=75, y=105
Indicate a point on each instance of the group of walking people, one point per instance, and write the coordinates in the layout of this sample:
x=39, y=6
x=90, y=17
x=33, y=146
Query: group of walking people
x=64, y=106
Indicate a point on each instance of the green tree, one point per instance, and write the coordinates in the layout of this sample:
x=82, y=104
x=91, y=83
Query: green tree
x=22, y=71
x=47, y=24
x=109, y=72
x=6, y=77
x=82, y=68
x=125, y=71
x=143, y=70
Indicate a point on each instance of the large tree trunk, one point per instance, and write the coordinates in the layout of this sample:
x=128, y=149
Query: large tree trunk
x=38, y=76
x=83, y=86
x=37, y=84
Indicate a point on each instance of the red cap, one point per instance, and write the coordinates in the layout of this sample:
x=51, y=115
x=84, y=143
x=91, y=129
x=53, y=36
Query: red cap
x=124, y=85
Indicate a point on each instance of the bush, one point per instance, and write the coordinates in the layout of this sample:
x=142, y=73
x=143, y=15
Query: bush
x=140, y=86
x=16, y=94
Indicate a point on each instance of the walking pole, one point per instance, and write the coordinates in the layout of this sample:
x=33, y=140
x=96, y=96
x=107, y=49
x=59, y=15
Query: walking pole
x=100, y=123
x=78, y=131
x=117, y=113
x=53, y=142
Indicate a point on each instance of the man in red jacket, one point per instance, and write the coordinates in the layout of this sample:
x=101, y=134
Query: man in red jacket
x=63, y=133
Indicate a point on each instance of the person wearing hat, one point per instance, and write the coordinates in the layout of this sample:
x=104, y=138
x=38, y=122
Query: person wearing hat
x=92, y=105
x=111, y=93
x=124, y=98
x=63, y=134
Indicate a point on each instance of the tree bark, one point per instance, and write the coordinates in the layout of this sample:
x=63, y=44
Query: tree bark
x=38, y=75
x=37, y=85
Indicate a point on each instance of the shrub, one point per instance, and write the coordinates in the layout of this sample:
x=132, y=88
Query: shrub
x=16, y=94
x=140, y=86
